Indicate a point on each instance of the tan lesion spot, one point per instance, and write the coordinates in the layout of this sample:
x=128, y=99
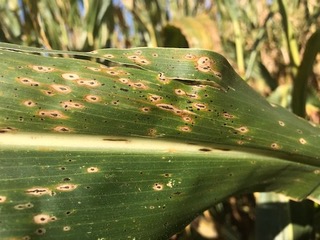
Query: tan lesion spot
x=3, y=199
x=145, y=109
x=66, y=187
x=275, y=146
x=88, y=82
x=66, y=228
x=43, y=218
x=142, y=61
x=138, y=59
x=302, y=141
x=49, y=93
x=227, y=115
x=62, y=129
x=179, y=92
x=157, y=186
x=189, y=56
x=7, y=129
x=200, y=106
x=70, y=76
x=162, y=78
x=124, y=80
x=51, y=114
x=92, y=98
x=108, y=55
x=23, y=206
x=29, y=103
x=61, y=88
x=242, y=129
x=42, y=69
x=187, y=119
x=155, y=98
x=152, y=132
x=184, y=129
x=281, y=123
x=70, y=104
x=206, y=64
x=113, y=72
x=38, y=191
x=92, y=169
x=28, y=81
x=139, y=85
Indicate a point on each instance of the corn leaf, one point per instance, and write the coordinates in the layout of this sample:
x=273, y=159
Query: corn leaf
x=118, y=144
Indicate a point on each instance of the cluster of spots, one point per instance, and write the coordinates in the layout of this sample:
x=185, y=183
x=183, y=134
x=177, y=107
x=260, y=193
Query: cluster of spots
x=162, y=78
x=70, y=104
x=28, y=81
x=43, y=218
x=157, y=186
x=51, y=114
x=171, y=183
x=88, y=83
x=206, y=64
x=138, y=58
x=113, y=72
x=183, y=113
x=66, y=187
x=92, y=169
x=134, y=85
x=39, y=191
x=189, y=56
x=155, y=98
x=42, y=69
x=181, y=92
x=3, y=199
x=23, y=206
x=227, y=115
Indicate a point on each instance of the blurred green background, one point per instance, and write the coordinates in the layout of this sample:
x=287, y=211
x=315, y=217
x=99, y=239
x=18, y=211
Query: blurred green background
x=272, y=44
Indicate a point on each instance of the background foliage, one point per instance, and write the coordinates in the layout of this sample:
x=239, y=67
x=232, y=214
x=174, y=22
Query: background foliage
x=272, y=44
